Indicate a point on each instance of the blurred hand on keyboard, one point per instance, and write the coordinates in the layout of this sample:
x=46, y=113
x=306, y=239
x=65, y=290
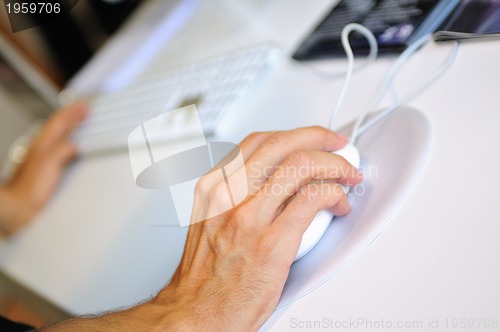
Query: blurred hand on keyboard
x=36, y=178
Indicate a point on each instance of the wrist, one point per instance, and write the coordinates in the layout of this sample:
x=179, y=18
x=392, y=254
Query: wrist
x=173, y=311
x=158, y=316
x=191, y=308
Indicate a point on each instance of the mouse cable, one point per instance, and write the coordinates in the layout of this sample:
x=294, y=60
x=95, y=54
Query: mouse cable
x=387, y=85
x=371, y=57
x=413, y=94
x=346, y=31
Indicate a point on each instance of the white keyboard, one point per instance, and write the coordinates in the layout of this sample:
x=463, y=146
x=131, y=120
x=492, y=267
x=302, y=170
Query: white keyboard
x=217, y=86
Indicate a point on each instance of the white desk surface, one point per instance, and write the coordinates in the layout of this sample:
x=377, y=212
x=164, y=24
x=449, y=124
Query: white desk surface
x=100, y=244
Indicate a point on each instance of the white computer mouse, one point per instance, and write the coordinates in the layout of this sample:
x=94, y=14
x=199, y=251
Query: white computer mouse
x=320, y=223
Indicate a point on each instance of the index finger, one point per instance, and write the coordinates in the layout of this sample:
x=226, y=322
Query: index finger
x=280, y=145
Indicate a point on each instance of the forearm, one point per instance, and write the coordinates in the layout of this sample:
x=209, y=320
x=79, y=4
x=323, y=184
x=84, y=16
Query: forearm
x=12, y=213
x=144, y=317
x=171, y=310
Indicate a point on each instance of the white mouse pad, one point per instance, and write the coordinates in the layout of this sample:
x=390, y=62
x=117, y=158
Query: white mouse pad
x=393, y=155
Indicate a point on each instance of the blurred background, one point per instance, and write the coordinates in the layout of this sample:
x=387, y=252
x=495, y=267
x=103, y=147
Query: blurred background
x=58, y=48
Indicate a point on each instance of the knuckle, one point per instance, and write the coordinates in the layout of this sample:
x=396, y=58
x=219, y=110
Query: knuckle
x=308, y=193
x=202, y=186
x=277, y=139
x=255, y=136
x=322, y=196
x=241, y=217
x=218, y=194
x=299, y=158
x=340, y=167
x=207, y=182
x=318, y=128
x=238, y=225
x=342, y=161
x=334, y=195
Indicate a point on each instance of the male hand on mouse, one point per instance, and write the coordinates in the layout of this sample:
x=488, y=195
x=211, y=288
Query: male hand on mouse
x=36, y=178
x=235, y=264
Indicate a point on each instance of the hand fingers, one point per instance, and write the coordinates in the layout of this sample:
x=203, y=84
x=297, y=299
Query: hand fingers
x=287, y=229
x=51, y=162
x=279, y=145
x=60, y=126
x=297, y=171
x=56, y=130
x=62, y=154
x=40, y=174
x=247, y=147
x=342, y=207
x=262, y=151
x=252, y=142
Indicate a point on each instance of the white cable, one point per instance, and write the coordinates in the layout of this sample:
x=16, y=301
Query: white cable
x=422, y=87
x=346, y=31
x=387, y=85
x=372, y=56
x=389, y=78
x=387, y=82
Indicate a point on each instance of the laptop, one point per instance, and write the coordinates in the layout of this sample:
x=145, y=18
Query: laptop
x=395, y=24
x=119, y=61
